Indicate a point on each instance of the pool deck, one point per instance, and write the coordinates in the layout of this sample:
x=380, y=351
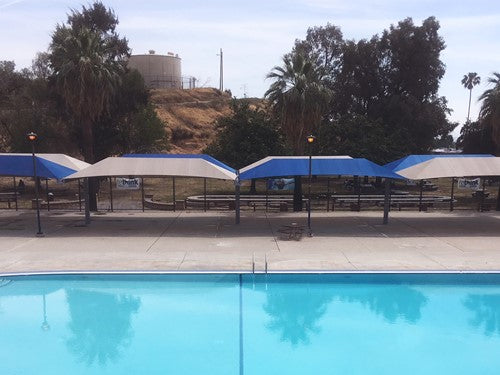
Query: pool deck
x=197, y=241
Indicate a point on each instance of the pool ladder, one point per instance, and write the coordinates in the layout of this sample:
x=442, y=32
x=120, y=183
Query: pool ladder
x=265, y=263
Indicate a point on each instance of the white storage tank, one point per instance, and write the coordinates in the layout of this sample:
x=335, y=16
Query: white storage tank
x=158, y=71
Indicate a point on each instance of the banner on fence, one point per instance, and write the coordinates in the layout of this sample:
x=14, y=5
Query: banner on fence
x=128, y=183
x=280, y=184
x=468, y=183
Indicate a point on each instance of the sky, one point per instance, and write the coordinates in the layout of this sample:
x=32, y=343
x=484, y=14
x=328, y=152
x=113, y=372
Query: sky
x=254, y=35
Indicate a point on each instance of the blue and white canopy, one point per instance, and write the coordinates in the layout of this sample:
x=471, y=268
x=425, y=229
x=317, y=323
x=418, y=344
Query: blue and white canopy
x=418, y=167
x=279, y=166
x=159, y=165
x=56, y=166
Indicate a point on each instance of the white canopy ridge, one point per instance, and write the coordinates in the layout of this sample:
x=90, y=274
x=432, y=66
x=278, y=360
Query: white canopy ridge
x=152, y=166
x=453, y=167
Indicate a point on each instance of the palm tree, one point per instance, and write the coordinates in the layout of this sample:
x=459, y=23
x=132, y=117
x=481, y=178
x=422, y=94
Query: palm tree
x=490, y=109
x=489, y=115
x=469, y=81
x=87, y=62
x=299, y=98
x=86, y=78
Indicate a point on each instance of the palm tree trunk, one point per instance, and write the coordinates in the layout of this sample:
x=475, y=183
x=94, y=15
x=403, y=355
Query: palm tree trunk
x=297, y=194
x=468, y=111
x=253, y=188
x=88, y=154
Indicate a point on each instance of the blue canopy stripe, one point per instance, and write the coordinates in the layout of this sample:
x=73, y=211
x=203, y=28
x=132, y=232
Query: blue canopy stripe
x=280, y=167
x=208, y=158
x=411, y=160
x=22, y=166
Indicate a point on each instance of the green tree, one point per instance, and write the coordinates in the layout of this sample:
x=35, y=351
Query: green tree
x=131, y=125
x=387, y=83
x=27, y=104
x=469, y=81
x=475, y=139
x=299, y=98
x=87, y=63
x=489, y=114
x=245, y=136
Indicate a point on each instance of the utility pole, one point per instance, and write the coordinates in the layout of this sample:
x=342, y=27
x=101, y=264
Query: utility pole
x=221, y=73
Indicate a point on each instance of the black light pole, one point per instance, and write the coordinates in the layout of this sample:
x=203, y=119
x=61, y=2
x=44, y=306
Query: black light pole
x=310, y=141
x=32, y=137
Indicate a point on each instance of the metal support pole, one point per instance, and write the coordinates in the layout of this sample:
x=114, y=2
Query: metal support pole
x=87, y=200
x=205, y=194
x=358, y=182
x=267, y=193
x=387, y=200
x=79, y=196
x=47, y=193
x=452, y=192
x=142, y=192
x=420, y=197
x=237, y=186
x=173, y=191
x=498, y=198
x=309, y=195
x=15, y=191
x=39, y=233
x=328, y=194
x=111, y=193
x=482, y=196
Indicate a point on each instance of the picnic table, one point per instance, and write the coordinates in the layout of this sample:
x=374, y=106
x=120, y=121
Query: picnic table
x=9, y=197
x=294, y=231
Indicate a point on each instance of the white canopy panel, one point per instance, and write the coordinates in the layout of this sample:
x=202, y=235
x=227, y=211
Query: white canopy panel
x=155, y=167
x=453, y=167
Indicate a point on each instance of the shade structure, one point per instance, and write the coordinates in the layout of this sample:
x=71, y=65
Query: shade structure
x=158, y=165
x=471, y=166
x=56, y=166
x=413, y=160
x=278, y=166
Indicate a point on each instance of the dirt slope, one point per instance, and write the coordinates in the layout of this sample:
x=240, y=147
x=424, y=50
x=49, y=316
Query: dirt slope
x=190, y=115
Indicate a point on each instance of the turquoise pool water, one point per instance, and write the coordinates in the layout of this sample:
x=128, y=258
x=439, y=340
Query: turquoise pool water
x=250, y=324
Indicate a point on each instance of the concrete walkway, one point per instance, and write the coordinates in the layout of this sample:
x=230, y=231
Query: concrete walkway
x=197, y=241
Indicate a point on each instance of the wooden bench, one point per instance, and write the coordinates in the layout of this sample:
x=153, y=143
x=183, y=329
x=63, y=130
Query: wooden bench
x=9, y=198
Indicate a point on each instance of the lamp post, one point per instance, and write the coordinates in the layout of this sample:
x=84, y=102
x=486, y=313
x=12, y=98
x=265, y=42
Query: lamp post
x=32, y=137
x=310, y=141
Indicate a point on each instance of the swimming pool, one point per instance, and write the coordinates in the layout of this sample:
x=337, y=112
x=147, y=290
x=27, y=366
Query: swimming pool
x=250, y=324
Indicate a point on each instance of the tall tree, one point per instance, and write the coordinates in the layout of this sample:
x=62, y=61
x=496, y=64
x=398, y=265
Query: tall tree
x=245, y=136
x=299, y=98
x=489, y=114
x=87, y=57
x=469, y=81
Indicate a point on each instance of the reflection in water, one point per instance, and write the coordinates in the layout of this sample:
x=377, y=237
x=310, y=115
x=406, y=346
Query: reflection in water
x=487, y=312
x=392, y=302
x=100, y=324
x=295, y=311
x=45, y=324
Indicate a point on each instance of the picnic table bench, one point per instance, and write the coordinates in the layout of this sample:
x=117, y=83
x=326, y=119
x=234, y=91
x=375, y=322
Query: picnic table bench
x=9, y=197
x=293, y=231
x=399, y=201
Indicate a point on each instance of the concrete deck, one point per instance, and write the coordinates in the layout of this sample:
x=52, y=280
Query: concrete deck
x=197, y=241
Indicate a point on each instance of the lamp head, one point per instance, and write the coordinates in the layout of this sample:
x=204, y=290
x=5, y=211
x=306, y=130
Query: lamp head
x=311, y=139
x=32, y=136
